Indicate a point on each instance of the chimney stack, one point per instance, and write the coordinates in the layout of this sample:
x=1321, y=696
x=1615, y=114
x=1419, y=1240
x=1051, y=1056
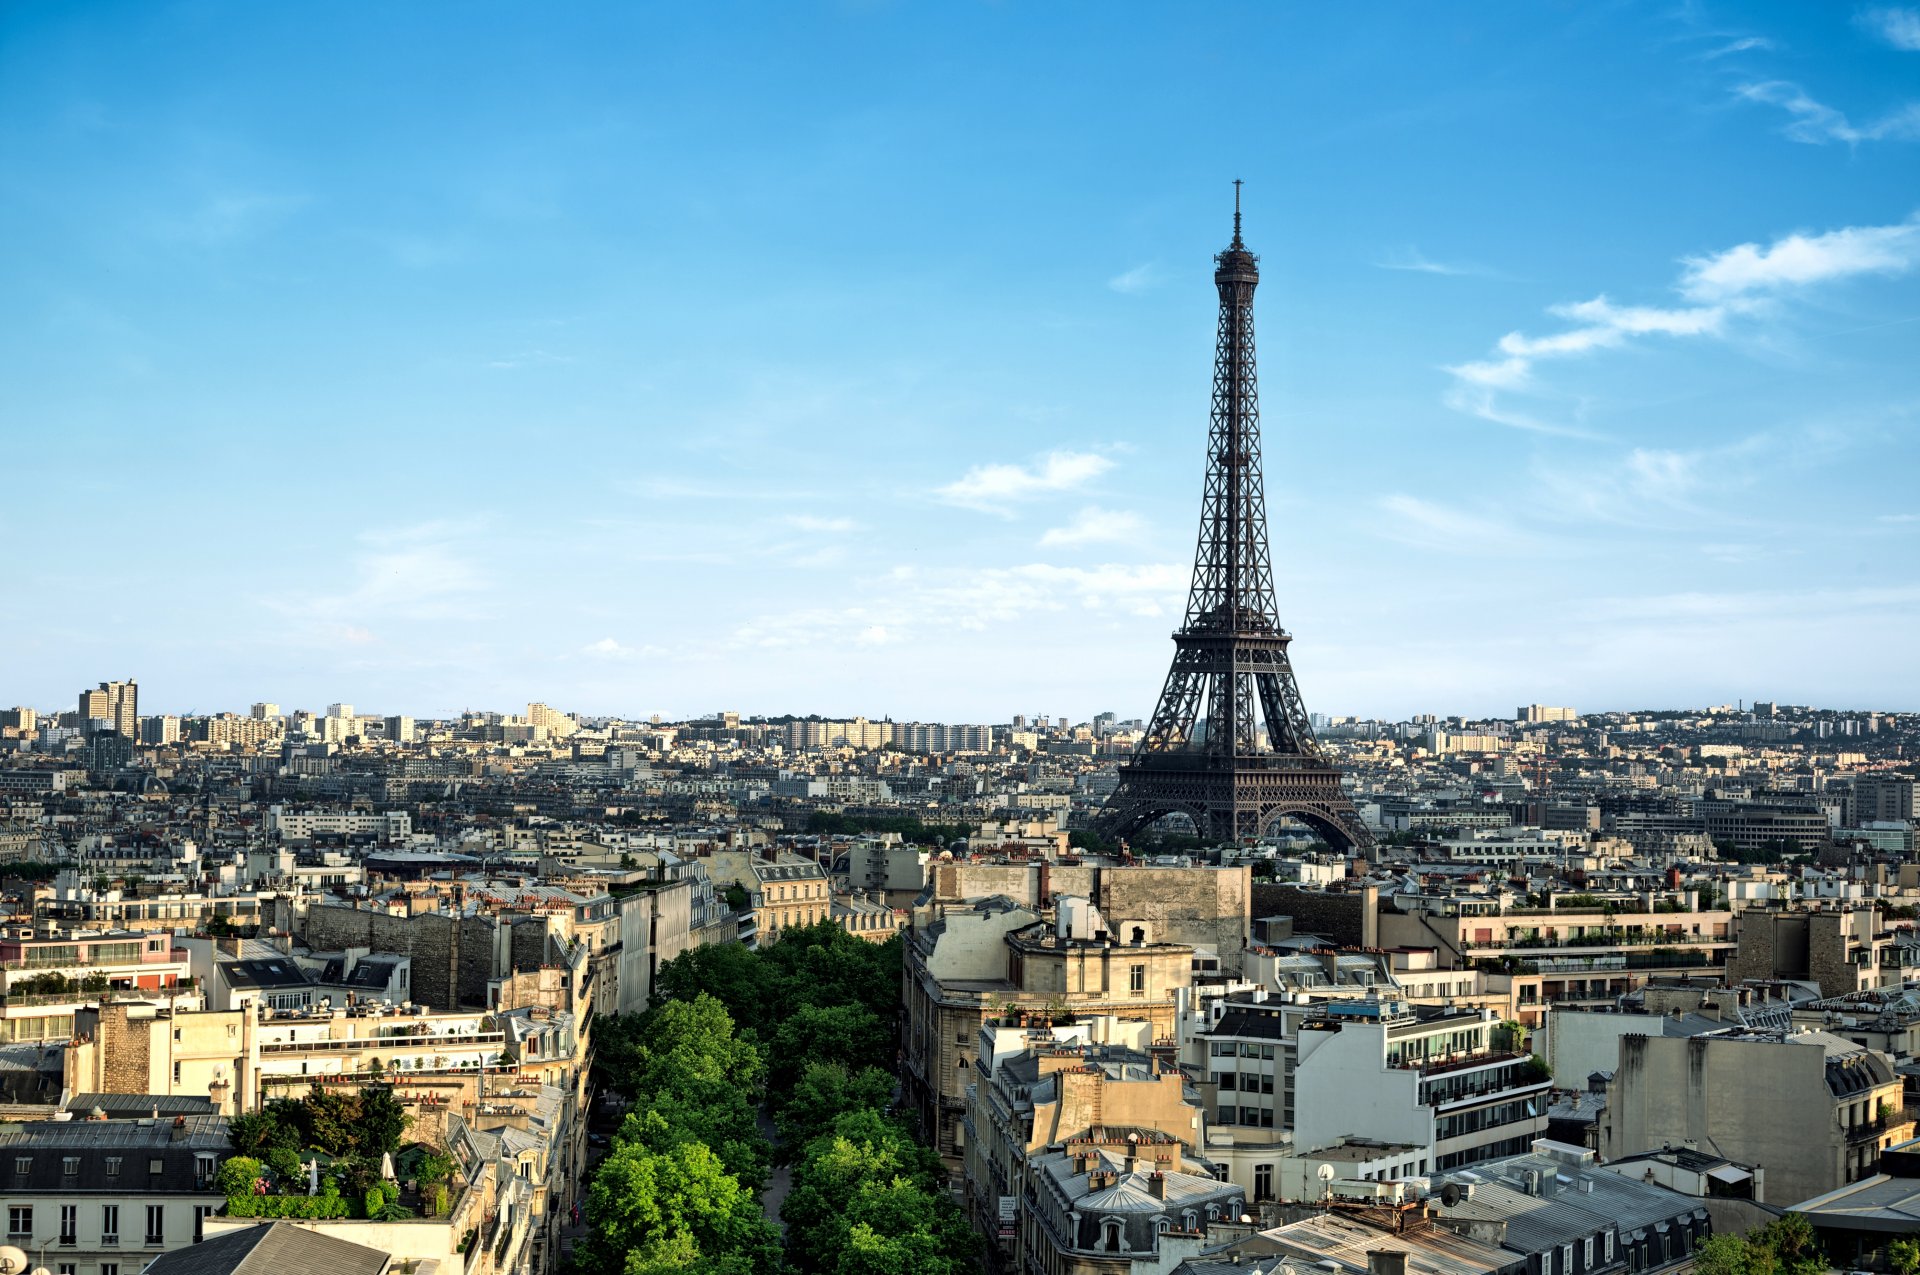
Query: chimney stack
x=1382, y=1261
x=1157, y=1185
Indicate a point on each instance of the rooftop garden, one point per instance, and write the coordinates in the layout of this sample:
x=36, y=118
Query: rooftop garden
x=333, y=1154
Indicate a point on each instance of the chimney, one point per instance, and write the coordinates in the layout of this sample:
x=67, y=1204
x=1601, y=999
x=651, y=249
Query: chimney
x=1157, y=1185
x=1382, y=1261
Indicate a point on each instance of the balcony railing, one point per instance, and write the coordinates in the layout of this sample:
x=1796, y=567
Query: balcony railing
x=423, y=1044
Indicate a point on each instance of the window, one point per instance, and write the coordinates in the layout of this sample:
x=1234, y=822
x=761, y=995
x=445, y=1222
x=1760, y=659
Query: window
x=68, y=1268
x=109, y=1224
x=113, y=1166
x=1586, y=1254
x=200, y=1212
x=23, y=1164
x=109, y=1268
x=204, y=1167
x=1609, y=1246
x=70, y=1165
x=1137, y=979
x=1263, y=1182
x=157, y=1167
x=1227, y=1080
x=69, y=1224
x=1110, y=1235
x=156, y=1224
x=20, y=1222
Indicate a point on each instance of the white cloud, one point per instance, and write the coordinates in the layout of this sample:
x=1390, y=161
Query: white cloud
x=608, y=648
x=1801, y=259
x=1428, y=525
x=873, y=635
x=1816, y=123
x=1722, y=286
x=1410, y=258
x=1138, y=279
x=1094, y=526
x=991, y=488
x=1744, y=44
x=1898, y=27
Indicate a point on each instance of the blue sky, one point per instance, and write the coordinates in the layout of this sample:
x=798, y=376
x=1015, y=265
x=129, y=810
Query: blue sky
x=853, y=358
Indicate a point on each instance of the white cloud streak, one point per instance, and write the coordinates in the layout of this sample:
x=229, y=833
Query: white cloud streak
x=1138, y=279
x=1719, y=287
x=1897, y=27
x=1094, y=526
x=992, y=488
x=1815, y=123
x=1413, y=260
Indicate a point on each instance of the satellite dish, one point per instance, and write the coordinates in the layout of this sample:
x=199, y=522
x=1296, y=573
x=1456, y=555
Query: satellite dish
x=12, y=1260
x=1450, y=1194
x=1325, y=1172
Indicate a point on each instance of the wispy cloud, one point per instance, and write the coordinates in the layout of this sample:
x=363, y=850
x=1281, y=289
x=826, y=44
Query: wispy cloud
x=1425, y=524
x=1138, y=279
x=1718, y=288
x=1745, y=44
x=1815, y=123
x=608, y=648
x=1094, y=526
x=1801, y=259
x=813, y=522
x=1412, y=259
x=1898, y=27
x=993, y=488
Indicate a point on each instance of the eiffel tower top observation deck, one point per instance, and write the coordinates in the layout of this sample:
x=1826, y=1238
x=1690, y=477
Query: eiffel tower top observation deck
x=1230, y=745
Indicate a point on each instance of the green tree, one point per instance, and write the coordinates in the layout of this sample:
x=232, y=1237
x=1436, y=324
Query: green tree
x=1723, y=1255
x=850, y=1035
x=380, y=1121
x=728, y=972
x=675, y=1211
x=1904, y=1257
x=824, y=1091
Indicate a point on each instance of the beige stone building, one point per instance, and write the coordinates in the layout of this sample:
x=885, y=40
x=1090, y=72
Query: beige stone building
x=784, y=892
x=1843, y=950
x=1810, y=1109
x=971, y=962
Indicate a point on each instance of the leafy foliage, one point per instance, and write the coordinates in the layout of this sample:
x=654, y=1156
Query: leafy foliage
x=675, y=1210
x=865, y=1198
x=1785, y=1246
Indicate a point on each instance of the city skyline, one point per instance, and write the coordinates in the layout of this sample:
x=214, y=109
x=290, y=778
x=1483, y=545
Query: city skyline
x=541, y=364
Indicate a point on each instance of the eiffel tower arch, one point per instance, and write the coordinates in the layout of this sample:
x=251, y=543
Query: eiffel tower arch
x=1230, y=745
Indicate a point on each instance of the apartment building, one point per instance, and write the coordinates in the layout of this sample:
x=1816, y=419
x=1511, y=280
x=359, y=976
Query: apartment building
x=1039, y=1088
x=786, y=891
x=1330, y=1071
x=105, y=1197
x=971, y=962
x=1813, y=1111
x=1843, y=950
x=45, y=981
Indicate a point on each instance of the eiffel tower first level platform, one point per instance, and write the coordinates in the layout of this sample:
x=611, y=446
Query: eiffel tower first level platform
x=1237, y=803
x=1230, y=745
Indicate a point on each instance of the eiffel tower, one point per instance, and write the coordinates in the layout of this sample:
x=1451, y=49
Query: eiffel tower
x=1203, y=755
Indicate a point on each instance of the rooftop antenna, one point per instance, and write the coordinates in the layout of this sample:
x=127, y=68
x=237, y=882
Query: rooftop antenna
x=1237, y=183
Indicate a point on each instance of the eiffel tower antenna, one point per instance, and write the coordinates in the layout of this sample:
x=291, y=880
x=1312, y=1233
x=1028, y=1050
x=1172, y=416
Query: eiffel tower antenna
x=1230, y=745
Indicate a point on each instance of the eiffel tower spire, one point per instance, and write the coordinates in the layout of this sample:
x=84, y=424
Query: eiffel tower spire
x=1230, y=745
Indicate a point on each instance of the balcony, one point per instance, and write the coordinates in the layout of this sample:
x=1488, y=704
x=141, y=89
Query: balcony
x=389, y=1044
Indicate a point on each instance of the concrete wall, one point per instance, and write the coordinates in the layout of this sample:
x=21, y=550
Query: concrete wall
x=1346, y=919
x=1755, y=1102
x=1342, y=1088
x=1579, y=1043
x=1204, y=907
x=454, y=958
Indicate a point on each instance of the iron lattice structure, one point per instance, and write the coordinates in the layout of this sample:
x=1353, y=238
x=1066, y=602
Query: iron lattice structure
x=1230, y=745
